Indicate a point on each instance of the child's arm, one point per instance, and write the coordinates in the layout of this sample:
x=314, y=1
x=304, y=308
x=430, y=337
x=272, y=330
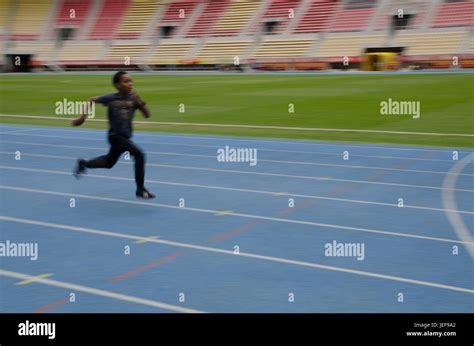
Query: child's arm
x=141, y=106
x=79, y=121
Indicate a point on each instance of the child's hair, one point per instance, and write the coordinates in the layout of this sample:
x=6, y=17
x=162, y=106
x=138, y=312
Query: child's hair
x=118, y=76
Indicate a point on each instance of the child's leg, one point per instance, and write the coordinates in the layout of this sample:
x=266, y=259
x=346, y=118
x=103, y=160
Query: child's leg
x=139, y=157
x=109, y=160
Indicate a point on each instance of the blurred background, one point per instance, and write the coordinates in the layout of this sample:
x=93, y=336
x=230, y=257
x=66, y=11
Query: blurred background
x=236, y=34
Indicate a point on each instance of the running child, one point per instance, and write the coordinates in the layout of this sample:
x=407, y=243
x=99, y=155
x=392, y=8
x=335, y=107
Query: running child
x=121, y=109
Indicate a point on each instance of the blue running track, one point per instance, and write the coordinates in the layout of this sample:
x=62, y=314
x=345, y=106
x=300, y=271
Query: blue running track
x=237, y=244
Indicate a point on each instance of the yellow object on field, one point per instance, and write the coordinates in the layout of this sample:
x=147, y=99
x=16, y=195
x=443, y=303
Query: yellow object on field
x=380, y=61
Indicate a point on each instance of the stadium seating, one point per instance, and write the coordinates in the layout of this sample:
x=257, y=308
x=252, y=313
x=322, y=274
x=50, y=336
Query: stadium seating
x=337, y=45
x=278, y=11
x=317, y=16
x=108, y=19
x=423, y=43
x=415, y=9
x=29, y=19
x=351, y=19
x=210, y=16
x=223, y=52
x=80, y=52
x=41, y=50
x=127, y=53
x=235, y=17
x=72, y=12
x=170, y=52
x=4, y=11
x=273, y=48
x=214, y=32
x=177, y=13
x=137, y=18
x=454, y=14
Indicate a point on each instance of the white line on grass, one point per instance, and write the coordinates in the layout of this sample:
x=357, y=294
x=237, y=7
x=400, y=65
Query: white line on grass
x=260, y=160
x=214, y=187
x=241, y=254
x=231, y=171
x=449, y=201
x=95, y=291
x=249, y=216
x=256, y=126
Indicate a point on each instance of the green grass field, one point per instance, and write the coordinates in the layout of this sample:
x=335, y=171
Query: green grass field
x=320, y=101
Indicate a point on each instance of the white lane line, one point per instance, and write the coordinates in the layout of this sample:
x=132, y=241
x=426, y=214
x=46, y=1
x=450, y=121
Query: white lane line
x=213, y=187
x=271, y=141
x=260, y=160
x=384, y=157
x=449, y=202
x=231, y=171
x=255, y=126
x=231, y=252
x=248, y=216
x=96, y=291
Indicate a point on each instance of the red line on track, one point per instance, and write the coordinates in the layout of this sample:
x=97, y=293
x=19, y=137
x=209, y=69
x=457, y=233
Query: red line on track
x=50, y=306
x=232, y=232
x=147, y=266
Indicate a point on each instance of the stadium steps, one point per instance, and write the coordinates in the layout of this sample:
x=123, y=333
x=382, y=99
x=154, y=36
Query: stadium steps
x=198, y=11
x=277, y=11
x=147, y=54
x=235, y=18
x=88, y=23
x=303, y=8
x=256, y=17
x=255, y=23
x=137, y=18
x=50, y=18
x=316, y=17
x=127, y=52
x=30, y=19
x=207, y=21
x=108, y=19
x=470, y=42
x=409, y=7
x=60, y=16
x=337, y=7
x=223, y=52
x=468, y=46
x=195, y=50
x=177, y=14
x=171, y=52
x=430, y=14
x=382, y=7
x=151, y=29
x=321, y=37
